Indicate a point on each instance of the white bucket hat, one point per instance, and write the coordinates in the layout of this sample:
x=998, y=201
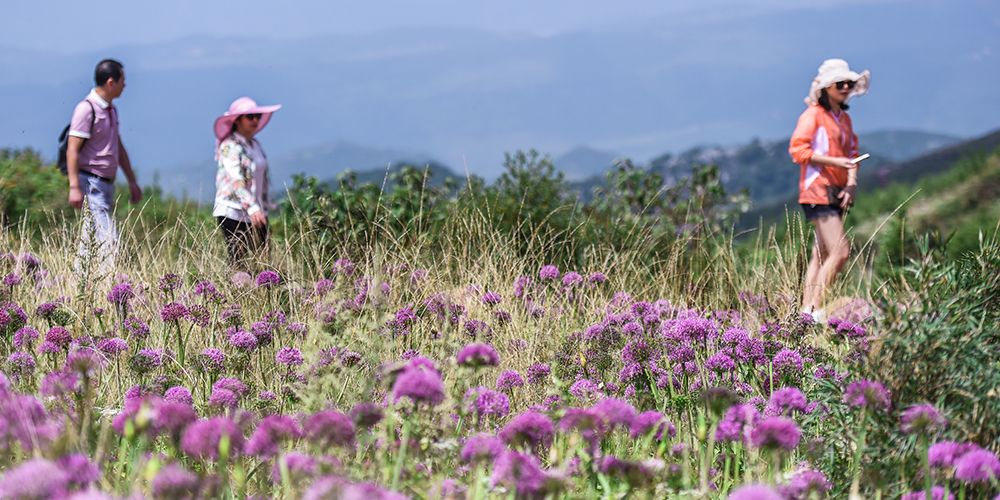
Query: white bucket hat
x=833, y=71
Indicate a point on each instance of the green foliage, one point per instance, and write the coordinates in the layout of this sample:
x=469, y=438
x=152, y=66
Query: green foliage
x=530, y=207
x=27, y=187
x=940, y=337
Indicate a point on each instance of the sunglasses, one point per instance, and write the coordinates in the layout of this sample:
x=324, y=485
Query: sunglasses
x=256, y=116
x=846, y=84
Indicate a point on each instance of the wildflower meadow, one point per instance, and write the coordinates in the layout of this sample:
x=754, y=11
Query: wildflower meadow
x=475, y=369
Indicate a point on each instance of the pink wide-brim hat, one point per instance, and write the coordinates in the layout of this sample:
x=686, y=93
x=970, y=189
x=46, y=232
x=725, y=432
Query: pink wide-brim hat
x=242, y=106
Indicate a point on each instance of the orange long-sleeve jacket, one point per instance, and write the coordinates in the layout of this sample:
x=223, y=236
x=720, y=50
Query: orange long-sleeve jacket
x=821, y=132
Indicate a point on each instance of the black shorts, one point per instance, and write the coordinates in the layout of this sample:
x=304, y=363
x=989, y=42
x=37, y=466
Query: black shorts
x=814, y=212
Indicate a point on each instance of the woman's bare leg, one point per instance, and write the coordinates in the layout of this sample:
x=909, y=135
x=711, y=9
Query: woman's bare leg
x=829, y=257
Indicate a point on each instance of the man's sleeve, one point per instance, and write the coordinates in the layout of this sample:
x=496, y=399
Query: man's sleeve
x=79, y=125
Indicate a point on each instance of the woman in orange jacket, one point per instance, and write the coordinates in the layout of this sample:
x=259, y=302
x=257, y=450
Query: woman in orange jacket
x=824, y=144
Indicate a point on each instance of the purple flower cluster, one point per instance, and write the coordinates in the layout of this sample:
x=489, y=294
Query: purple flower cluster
x=868, y=394
x=478, y=355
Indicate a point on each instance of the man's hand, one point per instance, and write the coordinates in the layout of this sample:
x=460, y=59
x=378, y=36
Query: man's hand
x=847, y=196
x=135, y=193
x=258, y=219
x=75, y=198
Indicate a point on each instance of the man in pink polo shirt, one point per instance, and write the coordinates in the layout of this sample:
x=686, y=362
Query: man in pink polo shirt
x=93, y=154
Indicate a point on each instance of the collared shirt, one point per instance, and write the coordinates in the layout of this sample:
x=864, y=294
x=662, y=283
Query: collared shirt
x=821, y=132
x=241, y=181
x=99, y=154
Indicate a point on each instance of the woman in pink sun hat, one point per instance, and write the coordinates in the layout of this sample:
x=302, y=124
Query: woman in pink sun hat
x=242, y=182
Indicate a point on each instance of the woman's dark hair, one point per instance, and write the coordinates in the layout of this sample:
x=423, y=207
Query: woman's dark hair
x=108, y=68
x=824, y=100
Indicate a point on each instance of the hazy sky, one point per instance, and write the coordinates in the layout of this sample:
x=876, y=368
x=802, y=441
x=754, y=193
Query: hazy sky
x=55, y=24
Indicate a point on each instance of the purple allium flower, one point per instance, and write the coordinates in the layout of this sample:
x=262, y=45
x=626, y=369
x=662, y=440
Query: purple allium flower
x=289, y=356
x=787, y=362
x=521, y=473
x=530, y=429
x=199, y=315
x=80, y=471
x=146, y=360
x=945, y=453
x=652, y=420
x=866, y=393
x=548, y=273
x=776, y=432
x=242, y=279
x=734, y=335
x=263, y=332
x=11, y=280
x=112, y=347
x=538, y=373
x=172, y=312
x=588, y=422
x=35, y=479
x=270, y=433
x=178, y=394
x=806, y=482
x=720, y=362
x=787, y=400
x=681, y=354
x=509, y=380
x=737, y=423
x=937, y=493
x=478, y=355
x=755, y=492
x=223, y=398
x=349, y=358
x=637, y=352
x=210, y=360
x=206, y=288
x=419, y=384
x=329, y=428
x=136, y=328
x=25, y=337
x=615, y=412
x=977, y=466
x=923, y=419
x=173, y=418
x=120, y=294
x=299, y=466
x=502, y=317
x=22, y=363
x=203, y=438
x=585, y=390
x=475, y=328
x=175, y=483
x=491, y=298
x=485, y=401
x=60, y=337
x=597, y=279
x=268, y=279
x=235, y=385
x=482, y=447
x=46, y=310
x=572, y=279
x=297, y=329
x=243, y=341
x=170, y=282
x=365, y=415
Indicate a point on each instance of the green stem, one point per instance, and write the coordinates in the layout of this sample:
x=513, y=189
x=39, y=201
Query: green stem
x=397, y=469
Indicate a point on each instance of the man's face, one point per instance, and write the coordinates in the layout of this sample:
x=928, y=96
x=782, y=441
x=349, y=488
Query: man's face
x=115, y=88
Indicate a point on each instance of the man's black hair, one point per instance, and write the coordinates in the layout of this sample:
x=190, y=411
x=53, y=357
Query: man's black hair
x=824, y=100
x=108, y=68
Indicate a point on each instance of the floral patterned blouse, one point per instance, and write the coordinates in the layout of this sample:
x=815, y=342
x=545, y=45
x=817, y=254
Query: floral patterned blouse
x=242, y=180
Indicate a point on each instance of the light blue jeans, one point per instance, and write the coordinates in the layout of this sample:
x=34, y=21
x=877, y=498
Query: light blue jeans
x=99, y=238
